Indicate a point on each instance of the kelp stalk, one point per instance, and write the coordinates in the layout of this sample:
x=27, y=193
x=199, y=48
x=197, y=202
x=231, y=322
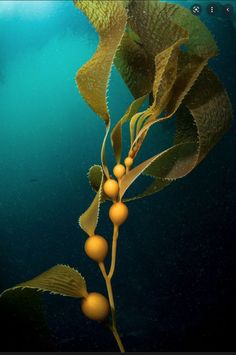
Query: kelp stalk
x=107, y=279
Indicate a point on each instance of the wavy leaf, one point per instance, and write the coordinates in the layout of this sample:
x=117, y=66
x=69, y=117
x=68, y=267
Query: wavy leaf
x=89, y=219
x=161, y=28
x=135, y=66
x=207, y=117
x=109, y=19
x=116, y=134
x=60, y=279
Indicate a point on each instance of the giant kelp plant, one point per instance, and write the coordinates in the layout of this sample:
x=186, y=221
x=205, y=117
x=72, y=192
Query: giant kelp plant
x=161, y=51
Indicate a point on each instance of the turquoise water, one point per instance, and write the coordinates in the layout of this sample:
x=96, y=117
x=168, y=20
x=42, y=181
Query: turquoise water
x=176, y=257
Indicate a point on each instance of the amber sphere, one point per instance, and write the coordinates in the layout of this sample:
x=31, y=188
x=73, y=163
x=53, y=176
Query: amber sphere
x=111, y=188
x=128, y=162
x=118, y=213
x=96, y=247
x=119, y=171
x=95, y=306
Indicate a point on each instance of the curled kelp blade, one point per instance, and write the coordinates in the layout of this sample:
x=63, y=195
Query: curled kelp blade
x=199, y=126
x=156, y=186
x=166, y=69
x=201, y=42
x=175, y=161
x=116, y=134
x=210, y=106
x=152, y=23
x=60, y=279
x=155, y=33
x=95, y=177
x=159, y=27
x=109, y=19
x=89, y=219
x=135, y=66
x=189, y=68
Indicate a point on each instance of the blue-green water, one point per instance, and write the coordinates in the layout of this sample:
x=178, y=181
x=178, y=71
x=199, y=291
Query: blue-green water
x=173, y=284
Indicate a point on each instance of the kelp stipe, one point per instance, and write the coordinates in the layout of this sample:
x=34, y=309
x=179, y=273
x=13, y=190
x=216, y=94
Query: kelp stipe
x=143, y=39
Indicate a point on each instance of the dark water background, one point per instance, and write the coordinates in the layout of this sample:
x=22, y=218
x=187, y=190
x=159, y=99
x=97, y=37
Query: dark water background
x=175, y=278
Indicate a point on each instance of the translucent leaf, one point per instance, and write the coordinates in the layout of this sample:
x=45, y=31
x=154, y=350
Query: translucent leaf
x=135, y=66
x=166, y=67
x=151, y=20
x=201, y=41
x=171, y=164
x=89, y=219
x=60, y=279
x=189, y=68
x=116, y=134
x=109, y=19
x=207, y=117
x=155, y=32
x=156, y=186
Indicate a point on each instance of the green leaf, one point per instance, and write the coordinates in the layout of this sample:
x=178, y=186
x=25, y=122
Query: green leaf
x=116, y=134
x=135, y=66
x=60, y=279
x=89, y=219
x=201, y=42
x=204, y=120
x=95, y=177
x=109, y=19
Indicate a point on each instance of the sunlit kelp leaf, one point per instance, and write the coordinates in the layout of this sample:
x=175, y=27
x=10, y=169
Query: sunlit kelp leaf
x=173, y=162
x=166, y=67
x=151, y=21
x=60, y=279
x=109, y=19
x=189, y=68
x=198, y=130
x=154, y=22
x=116, y=134
x=155, y=33
x=89, y=219
x=201, y=41
x=135, y=66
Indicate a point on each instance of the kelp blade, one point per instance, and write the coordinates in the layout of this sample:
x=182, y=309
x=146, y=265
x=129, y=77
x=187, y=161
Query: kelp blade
x=109, y=19
x=89, y=219
x=60, y=279
x=200, y=125
x=116, y=134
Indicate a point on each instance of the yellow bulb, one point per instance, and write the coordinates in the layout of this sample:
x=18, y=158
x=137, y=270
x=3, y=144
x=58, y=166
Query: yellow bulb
x=118, y=213
x=128, y=162
x=119, y=171
x=111, y=188
x=96, y=247
x=95, y=306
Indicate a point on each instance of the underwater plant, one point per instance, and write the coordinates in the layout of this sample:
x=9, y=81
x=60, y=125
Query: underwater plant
x=161, y=51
